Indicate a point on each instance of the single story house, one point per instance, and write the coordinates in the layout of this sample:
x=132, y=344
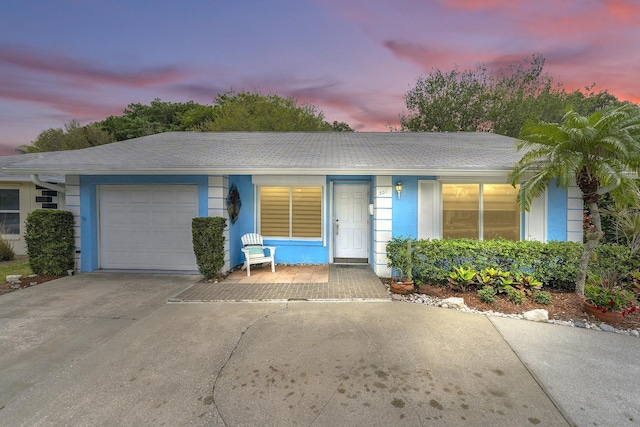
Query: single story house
x=21, y=194
x=321, y=197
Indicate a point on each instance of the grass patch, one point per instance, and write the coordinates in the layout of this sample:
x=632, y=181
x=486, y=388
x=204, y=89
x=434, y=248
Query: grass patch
x=20, y=265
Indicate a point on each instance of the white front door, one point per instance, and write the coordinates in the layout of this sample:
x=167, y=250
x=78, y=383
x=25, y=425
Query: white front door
x=351, y=221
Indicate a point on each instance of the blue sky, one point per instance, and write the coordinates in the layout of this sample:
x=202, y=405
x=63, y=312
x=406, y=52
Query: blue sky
x=353, y=59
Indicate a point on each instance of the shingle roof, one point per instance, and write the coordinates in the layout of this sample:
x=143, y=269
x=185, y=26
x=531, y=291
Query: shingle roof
x=285, y=153
x=9, y=160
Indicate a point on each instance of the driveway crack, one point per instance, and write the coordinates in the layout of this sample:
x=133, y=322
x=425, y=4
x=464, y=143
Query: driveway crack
x=231, y=353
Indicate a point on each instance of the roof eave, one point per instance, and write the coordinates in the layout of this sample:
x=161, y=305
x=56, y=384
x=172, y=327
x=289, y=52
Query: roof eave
x=458, y=171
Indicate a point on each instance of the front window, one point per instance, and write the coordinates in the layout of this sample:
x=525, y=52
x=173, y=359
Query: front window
x=10, y=211
x=480, y=211
x=291, y=212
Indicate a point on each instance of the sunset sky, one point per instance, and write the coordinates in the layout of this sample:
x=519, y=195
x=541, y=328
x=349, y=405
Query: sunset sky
x=353, y=59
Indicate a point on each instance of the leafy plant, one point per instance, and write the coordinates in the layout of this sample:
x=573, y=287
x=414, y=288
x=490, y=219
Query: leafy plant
x=487, y=294
x=608, y=294
x=495, y=278
x=634, y=279
x=461, y=277
x=542, y=297
x=516, y=296
x=527, y=284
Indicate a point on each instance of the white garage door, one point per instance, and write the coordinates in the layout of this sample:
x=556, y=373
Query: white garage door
x=147, y=227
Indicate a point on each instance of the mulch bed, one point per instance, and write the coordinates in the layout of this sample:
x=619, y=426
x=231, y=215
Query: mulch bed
x=25, y=282
x=564, y=305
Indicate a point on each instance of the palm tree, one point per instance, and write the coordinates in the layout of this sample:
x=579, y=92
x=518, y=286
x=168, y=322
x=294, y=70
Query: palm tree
x=600, y=153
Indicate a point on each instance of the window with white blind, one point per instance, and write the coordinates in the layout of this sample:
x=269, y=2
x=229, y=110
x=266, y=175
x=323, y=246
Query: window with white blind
x=291, y=212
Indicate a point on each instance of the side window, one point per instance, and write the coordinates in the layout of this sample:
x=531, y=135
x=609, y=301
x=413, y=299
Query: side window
x=500, y=212
x=10, y=211
x=480, y=211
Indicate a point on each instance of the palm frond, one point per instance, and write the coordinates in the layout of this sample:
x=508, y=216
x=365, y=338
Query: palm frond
x=606, y=144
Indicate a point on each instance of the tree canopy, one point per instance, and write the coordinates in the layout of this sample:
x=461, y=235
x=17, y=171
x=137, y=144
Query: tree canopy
x=499, y=101
x=251, y=112
x=72, y=137
x=244, y=111
x=141, y=120
x=599, y=153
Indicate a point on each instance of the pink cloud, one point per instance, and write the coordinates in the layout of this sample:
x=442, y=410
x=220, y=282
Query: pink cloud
x=428, y=58
x=478, y=4
x=64, y=66
x=584, y=21
x=362, y=111
x=625, y=10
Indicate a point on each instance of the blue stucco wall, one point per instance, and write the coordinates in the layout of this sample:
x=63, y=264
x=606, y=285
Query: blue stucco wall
x=89, y=206
x=404, y=220
x=556, y=213
x=245, y=223
x=405, y=209
x=288, y=251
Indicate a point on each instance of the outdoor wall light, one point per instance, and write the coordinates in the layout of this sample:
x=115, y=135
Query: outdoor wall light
x=399, y=188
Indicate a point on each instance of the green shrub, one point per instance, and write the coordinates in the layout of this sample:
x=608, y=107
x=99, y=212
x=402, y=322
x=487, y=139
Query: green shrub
x=6, y=247
x=208, y=245
x=542, y=297
x=516, y=296
x=487, y=294
x=555, y=264
x=50, y=241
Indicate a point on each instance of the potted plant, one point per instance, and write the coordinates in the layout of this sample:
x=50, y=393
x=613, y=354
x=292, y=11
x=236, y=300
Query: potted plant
x=607, y=299
x=404, y=283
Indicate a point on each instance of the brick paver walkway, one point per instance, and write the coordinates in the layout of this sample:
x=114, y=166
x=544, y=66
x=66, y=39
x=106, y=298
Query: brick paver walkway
x=290, y=283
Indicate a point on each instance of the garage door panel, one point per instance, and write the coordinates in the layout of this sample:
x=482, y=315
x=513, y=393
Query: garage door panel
x=147, y=227
x=137, y=217
x=114, y=197
x=187, y=199
x=138, y=197
x=164, y=197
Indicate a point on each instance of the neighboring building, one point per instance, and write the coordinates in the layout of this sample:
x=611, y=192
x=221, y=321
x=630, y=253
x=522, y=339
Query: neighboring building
x=321, y=197
x=19, y=195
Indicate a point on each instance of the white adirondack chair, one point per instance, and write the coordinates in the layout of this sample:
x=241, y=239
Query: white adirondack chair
x=254, y=252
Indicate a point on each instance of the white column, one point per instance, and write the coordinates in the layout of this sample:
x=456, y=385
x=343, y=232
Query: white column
x=217, y=197
x=382, y=223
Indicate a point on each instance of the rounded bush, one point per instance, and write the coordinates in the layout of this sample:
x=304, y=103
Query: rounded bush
x=208, y=245
x=487, y=294
x=50, y=241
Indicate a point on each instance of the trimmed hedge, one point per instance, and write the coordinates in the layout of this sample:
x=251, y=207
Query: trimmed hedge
x=555, y=264
x=208, y=245
x=50, y=241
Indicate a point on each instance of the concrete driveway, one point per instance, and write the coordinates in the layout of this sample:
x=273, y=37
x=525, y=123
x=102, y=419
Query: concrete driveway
x=106, y=349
